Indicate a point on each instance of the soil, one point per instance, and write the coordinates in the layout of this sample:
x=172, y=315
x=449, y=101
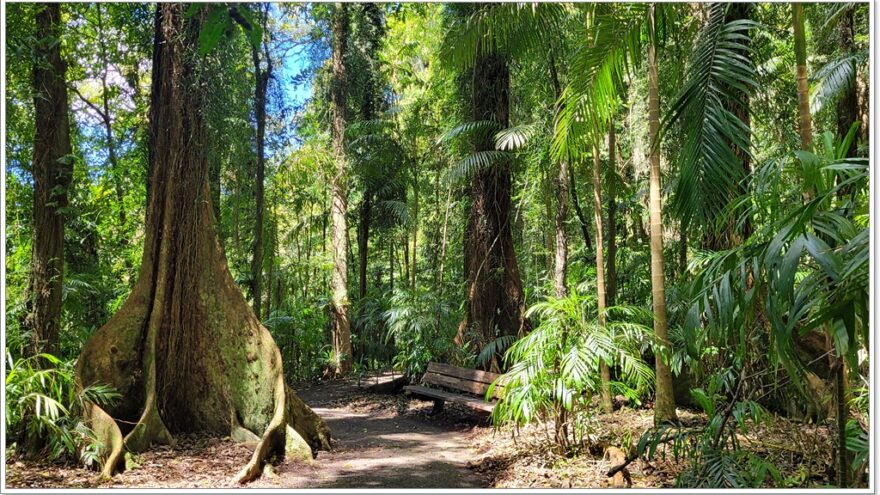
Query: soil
x=390, y=441
x=379, y=441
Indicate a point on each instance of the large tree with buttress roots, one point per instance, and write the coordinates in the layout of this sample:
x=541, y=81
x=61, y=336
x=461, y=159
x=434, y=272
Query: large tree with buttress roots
x=185, y=350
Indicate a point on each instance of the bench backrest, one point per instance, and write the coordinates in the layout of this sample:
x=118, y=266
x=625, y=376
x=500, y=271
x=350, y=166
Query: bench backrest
x=467, y=380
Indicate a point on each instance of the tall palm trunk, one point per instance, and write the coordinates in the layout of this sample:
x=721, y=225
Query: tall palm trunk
x=803, y=87
x=52, y=171
x=604, y=372
x=339, y=281
x=664, y=408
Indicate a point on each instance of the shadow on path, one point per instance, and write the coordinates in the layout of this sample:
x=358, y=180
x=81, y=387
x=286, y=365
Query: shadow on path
x=379, y=449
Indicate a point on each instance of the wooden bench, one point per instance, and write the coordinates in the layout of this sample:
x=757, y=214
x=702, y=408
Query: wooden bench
x=474, y=382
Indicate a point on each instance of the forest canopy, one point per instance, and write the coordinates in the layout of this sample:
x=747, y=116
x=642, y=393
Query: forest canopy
x=653, y=213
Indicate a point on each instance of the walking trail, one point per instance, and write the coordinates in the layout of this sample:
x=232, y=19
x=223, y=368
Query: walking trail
x=379, y=441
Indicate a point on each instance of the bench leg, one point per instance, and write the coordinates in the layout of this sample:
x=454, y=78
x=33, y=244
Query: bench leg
x=438, y=407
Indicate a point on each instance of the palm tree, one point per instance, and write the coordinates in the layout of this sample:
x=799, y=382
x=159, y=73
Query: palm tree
x=803, y=86
x=664, y=409
x=596, y=81
x=604, y=371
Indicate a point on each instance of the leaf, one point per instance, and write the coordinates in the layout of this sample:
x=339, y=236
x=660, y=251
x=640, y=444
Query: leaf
x=213, y=29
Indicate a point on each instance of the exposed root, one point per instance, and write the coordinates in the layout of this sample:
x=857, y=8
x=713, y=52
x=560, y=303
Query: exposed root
x=108, y=434
x=148, y=431
x=309, y=425
x=273, y=439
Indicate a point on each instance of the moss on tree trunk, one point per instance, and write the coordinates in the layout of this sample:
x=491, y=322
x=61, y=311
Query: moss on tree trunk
x=185, y=350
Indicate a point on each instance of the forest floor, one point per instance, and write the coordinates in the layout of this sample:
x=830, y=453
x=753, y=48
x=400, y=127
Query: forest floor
x=389, y=441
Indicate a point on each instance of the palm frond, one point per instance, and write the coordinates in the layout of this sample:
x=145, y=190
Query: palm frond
x=711, y=169
x=473, y=129
x=475, y=162
x=597, y=70
x=834, y=78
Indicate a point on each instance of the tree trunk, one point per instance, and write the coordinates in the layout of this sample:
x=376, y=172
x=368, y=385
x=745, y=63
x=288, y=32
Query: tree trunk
x=611, y=270
x=365, y=212
x=111, y=143
x=495, y=299
x=664, y=408
x=579, y=212
x=803, y=88
x=605, y=373
x=339, y=210
x=52, y=172
x=560, y=265
x=415, y=220
x=261, y=84
x=443, y=241
x=185, y=351
x=848, y=105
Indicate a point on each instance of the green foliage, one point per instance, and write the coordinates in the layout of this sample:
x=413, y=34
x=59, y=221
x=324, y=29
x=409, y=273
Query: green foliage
x=299, y=330
x=716, y=139
x=553, y=372
x=712, y=452
x=43, y=409
x=421, y=327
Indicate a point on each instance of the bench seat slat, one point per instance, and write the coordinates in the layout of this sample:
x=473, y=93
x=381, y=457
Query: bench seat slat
x=471, y=402
x=477, y=388
x=463, y=373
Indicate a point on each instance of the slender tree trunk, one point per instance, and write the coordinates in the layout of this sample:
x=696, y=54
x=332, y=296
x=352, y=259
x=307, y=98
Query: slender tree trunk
x=365, y=213
x=738, y=105
x=185, y=351
x=340, y=303
x=415, y=220
x=611, y=270
x=52, y=172
x=664, y=408
x=848, y=104
x=682, y=251
x=579, y=212
x=443, y=241
x=604, y=372
x=108, y=135
x=560, y=265
x=261, y=84
x=803, y=87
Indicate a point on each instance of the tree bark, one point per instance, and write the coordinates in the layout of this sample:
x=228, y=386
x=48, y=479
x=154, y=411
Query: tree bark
x=664, y=408
x=560, y=265
x=579, y=212
x=803, y=87
x=339, y=209
x=185, y=351
x=261, y=84
x=495, y=299
x=52, y=172
x=848, y=105
x=611, y=264
x=604, y=372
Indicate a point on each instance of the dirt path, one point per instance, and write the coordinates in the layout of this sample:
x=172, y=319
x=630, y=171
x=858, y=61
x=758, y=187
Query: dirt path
x=379, y=441
x=382, y=442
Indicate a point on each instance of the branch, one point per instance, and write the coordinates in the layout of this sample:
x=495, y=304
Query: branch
x=237, y=17
x=85, y=100
x=620, y=467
